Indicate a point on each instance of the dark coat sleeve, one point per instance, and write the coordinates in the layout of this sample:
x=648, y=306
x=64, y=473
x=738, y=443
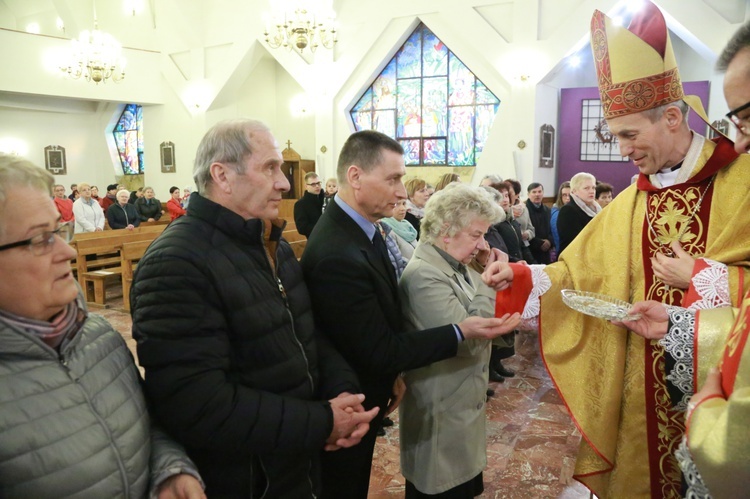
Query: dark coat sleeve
x=302, y=218
x=349, y=309
x=112, y=218
x=184, y=344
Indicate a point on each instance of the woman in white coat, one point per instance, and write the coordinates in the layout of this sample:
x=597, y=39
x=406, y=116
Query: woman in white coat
x=88, y=213
x=442, y=415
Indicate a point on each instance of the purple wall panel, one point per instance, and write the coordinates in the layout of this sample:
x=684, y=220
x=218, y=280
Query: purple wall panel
x=617, y=174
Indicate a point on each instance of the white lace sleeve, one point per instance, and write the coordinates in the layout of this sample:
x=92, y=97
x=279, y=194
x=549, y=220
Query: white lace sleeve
x=712, y=285
x=678, y=344
x=541, y=283
x=696, y=488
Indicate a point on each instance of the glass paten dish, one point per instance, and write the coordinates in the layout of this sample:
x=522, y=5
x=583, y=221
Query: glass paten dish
x=598, y=305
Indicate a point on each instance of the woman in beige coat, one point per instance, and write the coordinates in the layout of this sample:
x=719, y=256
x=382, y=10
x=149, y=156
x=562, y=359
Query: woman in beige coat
x=442, y=415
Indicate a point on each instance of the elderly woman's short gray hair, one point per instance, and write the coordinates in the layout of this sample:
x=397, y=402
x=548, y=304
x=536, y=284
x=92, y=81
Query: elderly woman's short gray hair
x=578, y=179
x=495, y=179
x=15, y=172
x=454, y=208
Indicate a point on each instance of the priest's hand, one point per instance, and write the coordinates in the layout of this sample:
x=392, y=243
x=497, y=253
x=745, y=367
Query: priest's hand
x=653, y=323
x=674, y=271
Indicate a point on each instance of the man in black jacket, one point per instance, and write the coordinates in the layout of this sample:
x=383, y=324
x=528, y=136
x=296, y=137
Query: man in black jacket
x=542, y=243
x=309, y=207
x=235, y=369
x=355, y=297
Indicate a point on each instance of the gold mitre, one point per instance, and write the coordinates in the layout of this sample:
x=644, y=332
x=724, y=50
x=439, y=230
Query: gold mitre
x=635, y=66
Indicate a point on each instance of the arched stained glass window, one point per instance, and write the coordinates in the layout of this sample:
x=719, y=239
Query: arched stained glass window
x=128, y=135
x=429, y=101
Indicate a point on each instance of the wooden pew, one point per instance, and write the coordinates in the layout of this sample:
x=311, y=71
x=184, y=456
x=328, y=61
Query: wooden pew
x=106, y=248
x=130, y=254
x=104, y=261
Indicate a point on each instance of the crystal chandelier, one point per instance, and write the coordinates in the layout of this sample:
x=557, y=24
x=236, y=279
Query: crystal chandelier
x=96, y=56
x=301, y=28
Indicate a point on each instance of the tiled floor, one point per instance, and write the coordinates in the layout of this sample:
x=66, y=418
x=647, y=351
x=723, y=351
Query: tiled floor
x=531, y=444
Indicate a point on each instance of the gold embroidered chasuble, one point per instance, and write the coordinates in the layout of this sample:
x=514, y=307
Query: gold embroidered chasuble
x=612, y=380
x=718, y=432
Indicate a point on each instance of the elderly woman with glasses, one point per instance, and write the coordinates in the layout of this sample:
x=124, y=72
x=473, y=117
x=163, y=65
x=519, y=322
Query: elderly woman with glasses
x=73, y=419
x=442, y=415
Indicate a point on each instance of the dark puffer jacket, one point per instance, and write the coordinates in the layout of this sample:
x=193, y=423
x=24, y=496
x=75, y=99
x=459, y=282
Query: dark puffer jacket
x=234, y=367
x=148, y=209
x=74, y=423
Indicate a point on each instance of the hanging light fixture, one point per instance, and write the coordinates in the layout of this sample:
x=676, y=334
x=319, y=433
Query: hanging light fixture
x=96, y=56
x=300, y=28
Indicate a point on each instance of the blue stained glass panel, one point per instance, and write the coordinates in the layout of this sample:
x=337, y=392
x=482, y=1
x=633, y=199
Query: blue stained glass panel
x=365, y=103
x=461, y=83
x=128, y=135
x=384, y=89
x=433, y=152
x=482, y=124
x=120, y=143
x=435, y=56
x=434, y=106
x=409, y=115
x=484, y=96
x=139, y=127
x=431, y=102
x=131, y=165
x=385, y=122
x=461, y=136
x=362, y=120
x=411, y=151
x=410, y=57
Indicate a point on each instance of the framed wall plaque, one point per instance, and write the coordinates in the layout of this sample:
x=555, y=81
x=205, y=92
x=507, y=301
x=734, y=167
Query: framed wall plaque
x=547, y=146
x=167, y=157
x=54, y=160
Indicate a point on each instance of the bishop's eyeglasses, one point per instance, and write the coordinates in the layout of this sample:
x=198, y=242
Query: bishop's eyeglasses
x=43, y=243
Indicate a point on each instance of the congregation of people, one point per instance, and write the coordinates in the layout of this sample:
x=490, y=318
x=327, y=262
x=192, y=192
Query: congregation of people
x=270, y=376
x=119, y=208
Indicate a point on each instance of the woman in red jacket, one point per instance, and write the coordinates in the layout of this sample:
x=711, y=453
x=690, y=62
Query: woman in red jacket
x=173, y=205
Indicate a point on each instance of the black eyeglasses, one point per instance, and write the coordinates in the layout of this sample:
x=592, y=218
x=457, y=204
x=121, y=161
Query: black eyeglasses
x=43, y=243
x=742, y=124
x=316, y=184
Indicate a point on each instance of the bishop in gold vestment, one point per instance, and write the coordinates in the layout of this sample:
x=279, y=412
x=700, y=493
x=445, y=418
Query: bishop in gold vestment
x=612, y=380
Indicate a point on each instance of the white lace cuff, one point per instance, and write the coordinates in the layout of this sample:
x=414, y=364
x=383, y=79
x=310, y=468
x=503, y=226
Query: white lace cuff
x=541, y=283
x=678, y=344
x=696, y=488
x=712, y=285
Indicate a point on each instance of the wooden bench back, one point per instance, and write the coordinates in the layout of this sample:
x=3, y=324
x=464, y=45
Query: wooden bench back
x=104, y=234
x=110, y=245
x=131, y=253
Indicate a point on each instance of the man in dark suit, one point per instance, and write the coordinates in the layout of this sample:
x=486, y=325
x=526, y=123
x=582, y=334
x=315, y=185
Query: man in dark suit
x=355, y=297
x=540, y=215
x=309, y=207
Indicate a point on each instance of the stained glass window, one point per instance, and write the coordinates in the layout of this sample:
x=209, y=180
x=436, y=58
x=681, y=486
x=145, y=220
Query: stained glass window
x=429, y=101
x=128, y=135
